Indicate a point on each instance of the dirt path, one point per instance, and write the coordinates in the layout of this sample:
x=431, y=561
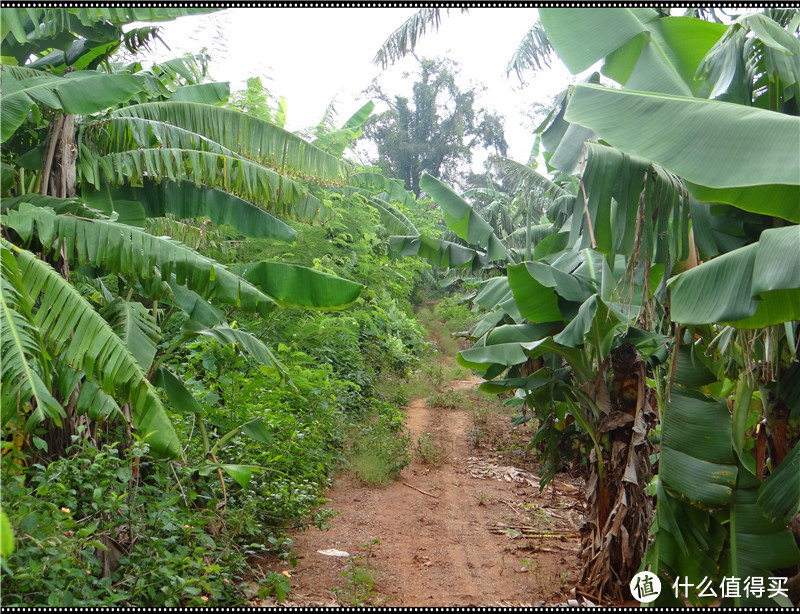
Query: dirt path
x=437, y=532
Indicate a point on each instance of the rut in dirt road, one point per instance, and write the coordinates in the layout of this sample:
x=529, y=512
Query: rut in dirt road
x=472, y=531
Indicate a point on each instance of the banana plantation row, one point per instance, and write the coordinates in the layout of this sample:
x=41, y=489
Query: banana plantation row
x=203, y=312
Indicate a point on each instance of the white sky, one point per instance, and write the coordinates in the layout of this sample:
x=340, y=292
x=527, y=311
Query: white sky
x=309, y=56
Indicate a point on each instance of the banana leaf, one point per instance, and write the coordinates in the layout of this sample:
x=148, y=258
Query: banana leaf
x=462, y=219
x=754, y=166
x=293, y=285
x=751, y=287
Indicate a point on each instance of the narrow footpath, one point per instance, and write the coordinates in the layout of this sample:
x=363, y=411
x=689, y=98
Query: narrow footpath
x=473, y=531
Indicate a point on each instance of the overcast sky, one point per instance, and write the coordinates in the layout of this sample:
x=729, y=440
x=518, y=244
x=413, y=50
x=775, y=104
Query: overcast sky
x=311, y=56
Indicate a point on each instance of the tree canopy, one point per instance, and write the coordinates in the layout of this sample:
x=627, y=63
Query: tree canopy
x=435, y=130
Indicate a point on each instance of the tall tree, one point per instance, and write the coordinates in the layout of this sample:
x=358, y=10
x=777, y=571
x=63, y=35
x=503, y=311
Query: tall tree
x=435, y=130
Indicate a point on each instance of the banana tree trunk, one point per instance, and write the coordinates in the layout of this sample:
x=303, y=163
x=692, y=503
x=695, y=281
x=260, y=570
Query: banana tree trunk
x=616, y=529
x=58, y=180
x=61, y=154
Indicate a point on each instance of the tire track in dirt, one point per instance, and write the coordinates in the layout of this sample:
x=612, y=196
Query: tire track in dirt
x=432, y=523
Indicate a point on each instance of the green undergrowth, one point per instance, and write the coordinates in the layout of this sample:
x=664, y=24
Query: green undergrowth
x=109, y=525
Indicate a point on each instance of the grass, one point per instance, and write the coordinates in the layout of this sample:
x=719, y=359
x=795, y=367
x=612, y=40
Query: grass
x=449, y=399
x=379, y=452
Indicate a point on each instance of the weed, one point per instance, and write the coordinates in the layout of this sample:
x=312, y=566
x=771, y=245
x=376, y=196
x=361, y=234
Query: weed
x=275, y=584
x=456, y=372
x=360, y=578
x=379, y=452
x=429, y=452
x=480, y=417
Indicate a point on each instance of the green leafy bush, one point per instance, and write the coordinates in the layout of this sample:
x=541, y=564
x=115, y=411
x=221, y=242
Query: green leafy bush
x=455, y=313
x=90, y=533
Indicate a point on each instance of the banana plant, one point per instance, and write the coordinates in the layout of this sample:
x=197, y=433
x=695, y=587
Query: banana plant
x=710, y=176
x=712, y=504
x=80, y=199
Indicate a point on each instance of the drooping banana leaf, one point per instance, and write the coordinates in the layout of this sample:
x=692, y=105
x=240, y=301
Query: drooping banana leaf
x=753, y=43
x=535, y=301
x=493, y=292
x=562, y=139
x=519, y=333
x=254, y=138
x=640, y=191
x=81, y=92
x=443, y=254
x=779, y=495
x=21, y=347
x=177, y=394
x=392, y=218
x=246, y=179
x=641, y=50
x=243, y=340
x=687, y=544
x=377, y=182
x=596, y=324
x=184, y=200
x=69, y=206
x=336, y=141
x=26, y=23
x=203, y=93
x=758, y=545
x=293, y=285
x=462, y=219
x=137, y=328
x=200, y=313
x=697, y=459
x=130, y=251
x=754, y=166
x=751, y=287
x=499, y=356
x=482, y=358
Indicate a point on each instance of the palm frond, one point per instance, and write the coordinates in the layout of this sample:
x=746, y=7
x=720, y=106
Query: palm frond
x=405, y=38
x=525, y=181
x=533, y=53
